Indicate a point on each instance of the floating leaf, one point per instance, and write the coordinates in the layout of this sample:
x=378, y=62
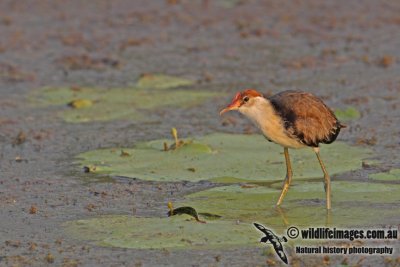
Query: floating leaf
x=354, y=204
x=347, y=114
x=392, y=175
x=228, y=3
x=172, y=232
x=116, y=103
x=303, y=205
x=224, y=158
x=160, y=81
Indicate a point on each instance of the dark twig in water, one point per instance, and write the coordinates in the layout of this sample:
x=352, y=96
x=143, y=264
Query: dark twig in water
x=183, y=210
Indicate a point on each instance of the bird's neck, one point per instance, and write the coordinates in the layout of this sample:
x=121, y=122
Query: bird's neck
x=264, y=116
x=262, y=113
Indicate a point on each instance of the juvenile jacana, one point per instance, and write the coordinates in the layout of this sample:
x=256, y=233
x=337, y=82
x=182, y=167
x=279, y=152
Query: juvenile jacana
x=292, y=119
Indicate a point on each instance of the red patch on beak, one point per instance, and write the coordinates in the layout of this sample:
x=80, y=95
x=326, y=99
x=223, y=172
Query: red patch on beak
x=235, y=104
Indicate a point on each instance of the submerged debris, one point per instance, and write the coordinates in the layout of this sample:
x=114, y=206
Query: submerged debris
x=166, y=148
x=49, y=258
x=386, y=61
x=11, y=73
x=86, y=62
x=20, y=159
x=20, y=139
x=130, y=42
x=367, y=141
x=33, y=209
x=124, y=153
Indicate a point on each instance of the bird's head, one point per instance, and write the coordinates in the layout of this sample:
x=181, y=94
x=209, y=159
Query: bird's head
x=244, y=99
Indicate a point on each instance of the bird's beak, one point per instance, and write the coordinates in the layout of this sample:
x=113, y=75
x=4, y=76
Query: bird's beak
x=234, y=105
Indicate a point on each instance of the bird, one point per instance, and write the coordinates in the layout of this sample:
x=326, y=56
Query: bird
x=274, y=240
x=293, y=119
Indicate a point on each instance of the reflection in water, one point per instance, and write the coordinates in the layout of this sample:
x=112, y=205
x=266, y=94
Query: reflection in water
x=283, y=215
x=328, y=218
x=286, y=222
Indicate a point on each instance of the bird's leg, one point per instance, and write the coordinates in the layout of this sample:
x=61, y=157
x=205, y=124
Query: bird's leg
x=288, y=178
x=327, y=179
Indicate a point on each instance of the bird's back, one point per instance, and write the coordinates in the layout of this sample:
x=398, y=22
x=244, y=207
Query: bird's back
x=306, y=117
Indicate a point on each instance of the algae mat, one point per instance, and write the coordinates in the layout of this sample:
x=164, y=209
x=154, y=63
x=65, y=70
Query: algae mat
x=220, y=158
x=151, y=92
x=354, y=204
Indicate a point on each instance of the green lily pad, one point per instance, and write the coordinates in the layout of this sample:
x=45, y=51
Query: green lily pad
x=392, y=175
x=228, y=3
x=172, y=232
x=354, y=204
x=121, y=103
x=160, y=81
x=303, y=205
x=225, y=158
x=347, y=114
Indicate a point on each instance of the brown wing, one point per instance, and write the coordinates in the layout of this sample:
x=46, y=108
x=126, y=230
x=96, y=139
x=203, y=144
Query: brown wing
x=306, y=117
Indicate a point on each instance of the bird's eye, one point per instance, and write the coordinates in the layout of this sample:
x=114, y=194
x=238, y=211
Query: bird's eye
x=245, y=99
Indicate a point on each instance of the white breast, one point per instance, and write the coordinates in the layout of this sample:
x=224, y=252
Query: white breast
x=260, y=111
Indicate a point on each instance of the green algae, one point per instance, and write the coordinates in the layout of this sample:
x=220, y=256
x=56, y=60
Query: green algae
x=354, y=204
x=224, y=158
x=392, y=175
x=347, y=114
x=151, y=92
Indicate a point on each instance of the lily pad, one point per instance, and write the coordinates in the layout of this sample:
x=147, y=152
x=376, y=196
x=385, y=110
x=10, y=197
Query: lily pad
x=121, y=103
x=228, y=3
x=225, y=158
x=160, y=81
x=354, y=204
x=392, y=175
x=304, y=204
x=172, y=232
x=347, y=114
